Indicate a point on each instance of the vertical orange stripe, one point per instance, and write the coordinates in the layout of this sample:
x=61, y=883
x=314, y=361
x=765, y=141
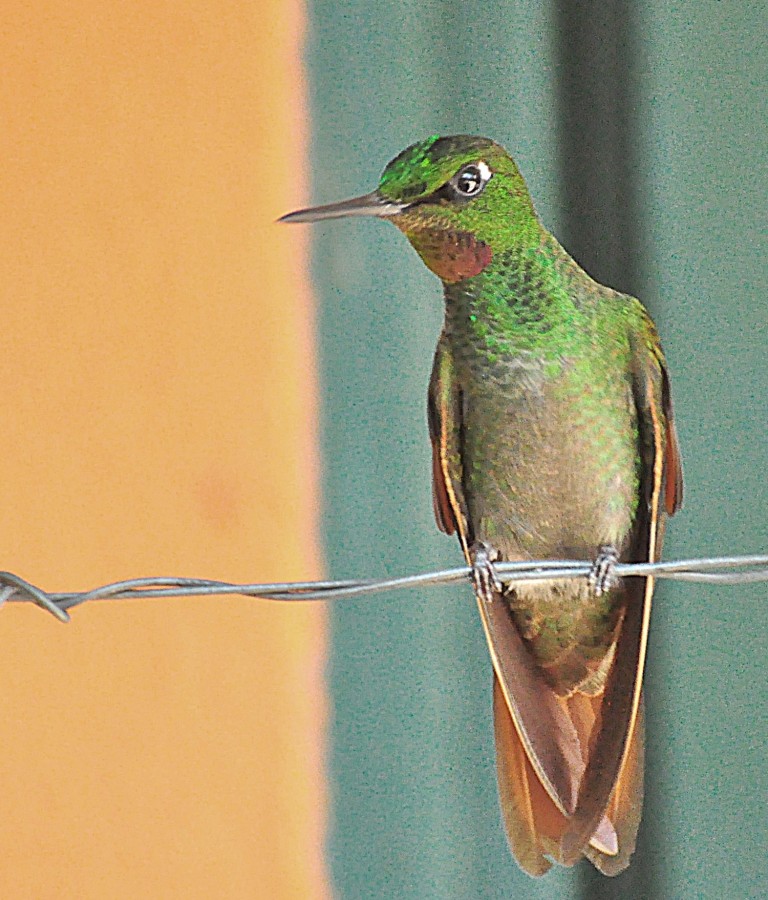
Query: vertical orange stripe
x=157, y=376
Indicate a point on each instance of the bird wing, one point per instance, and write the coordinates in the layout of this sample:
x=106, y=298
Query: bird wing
x=537, y=731
x=612, y=780
x=444, y=416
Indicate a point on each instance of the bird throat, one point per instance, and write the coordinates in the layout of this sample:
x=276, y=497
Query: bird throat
x=451, y=255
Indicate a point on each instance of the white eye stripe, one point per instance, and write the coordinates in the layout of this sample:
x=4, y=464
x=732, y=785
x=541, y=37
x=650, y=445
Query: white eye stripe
x=485, y=171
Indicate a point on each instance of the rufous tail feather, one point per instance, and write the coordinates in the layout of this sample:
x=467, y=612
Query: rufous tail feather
x=535, y=827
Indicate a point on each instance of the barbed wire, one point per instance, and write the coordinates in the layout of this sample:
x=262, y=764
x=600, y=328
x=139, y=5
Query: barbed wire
x=705, y=570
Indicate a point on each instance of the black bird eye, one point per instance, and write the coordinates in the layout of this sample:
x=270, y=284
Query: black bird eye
x=470, y=181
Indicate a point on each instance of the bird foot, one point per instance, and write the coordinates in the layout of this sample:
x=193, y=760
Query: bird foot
x=602, y=576
x=484, y=578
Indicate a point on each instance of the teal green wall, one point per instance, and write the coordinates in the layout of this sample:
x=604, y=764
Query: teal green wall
x=414, y=808
x=704, y=117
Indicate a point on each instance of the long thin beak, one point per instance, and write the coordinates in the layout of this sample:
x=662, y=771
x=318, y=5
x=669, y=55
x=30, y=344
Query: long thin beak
x=368, y=205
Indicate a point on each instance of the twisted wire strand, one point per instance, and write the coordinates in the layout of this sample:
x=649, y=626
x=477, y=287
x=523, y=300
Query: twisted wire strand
x=705, y=570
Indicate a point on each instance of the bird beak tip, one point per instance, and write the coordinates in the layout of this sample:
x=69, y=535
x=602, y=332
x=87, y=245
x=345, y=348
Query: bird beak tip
x=368, y=205
x=298, y=216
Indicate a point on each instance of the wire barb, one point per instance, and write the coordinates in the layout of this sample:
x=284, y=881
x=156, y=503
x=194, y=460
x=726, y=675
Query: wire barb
x=707, y=570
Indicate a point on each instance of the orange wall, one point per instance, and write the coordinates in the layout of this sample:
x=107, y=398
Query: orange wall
x=158, y=405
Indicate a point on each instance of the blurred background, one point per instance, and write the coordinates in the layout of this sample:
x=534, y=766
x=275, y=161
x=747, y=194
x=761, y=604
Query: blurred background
x=192, y=390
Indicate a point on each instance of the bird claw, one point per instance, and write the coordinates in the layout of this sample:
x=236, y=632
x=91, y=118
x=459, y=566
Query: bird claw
x=602, y=576
x=484, y=578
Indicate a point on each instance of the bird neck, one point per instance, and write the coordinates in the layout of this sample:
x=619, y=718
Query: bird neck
x=530, y=297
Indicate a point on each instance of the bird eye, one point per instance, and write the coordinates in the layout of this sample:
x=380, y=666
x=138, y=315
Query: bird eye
x=470, y=181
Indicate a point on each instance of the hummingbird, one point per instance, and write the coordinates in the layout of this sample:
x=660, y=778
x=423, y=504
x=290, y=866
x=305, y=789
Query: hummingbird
x=552, y=432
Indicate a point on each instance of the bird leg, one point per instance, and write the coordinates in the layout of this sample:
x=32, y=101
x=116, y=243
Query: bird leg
x=602, y=576
x=484, y=578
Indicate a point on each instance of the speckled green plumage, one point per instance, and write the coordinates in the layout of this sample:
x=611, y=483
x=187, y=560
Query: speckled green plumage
x=551, y=457
x=549, y=416
x=551, y=425
x=541, y=355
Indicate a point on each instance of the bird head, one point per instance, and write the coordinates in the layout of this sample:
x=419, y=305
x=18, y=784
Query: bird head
x=458, y=200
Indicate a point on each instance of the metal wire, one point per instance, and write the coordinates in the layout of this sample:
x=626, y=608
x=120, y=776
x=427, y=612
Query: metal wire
x=741, y=570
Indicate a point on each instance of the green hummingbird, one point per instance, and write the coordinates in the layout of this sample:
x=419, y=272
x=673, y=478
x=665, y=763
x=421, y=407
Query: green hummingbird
x=552, y=434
